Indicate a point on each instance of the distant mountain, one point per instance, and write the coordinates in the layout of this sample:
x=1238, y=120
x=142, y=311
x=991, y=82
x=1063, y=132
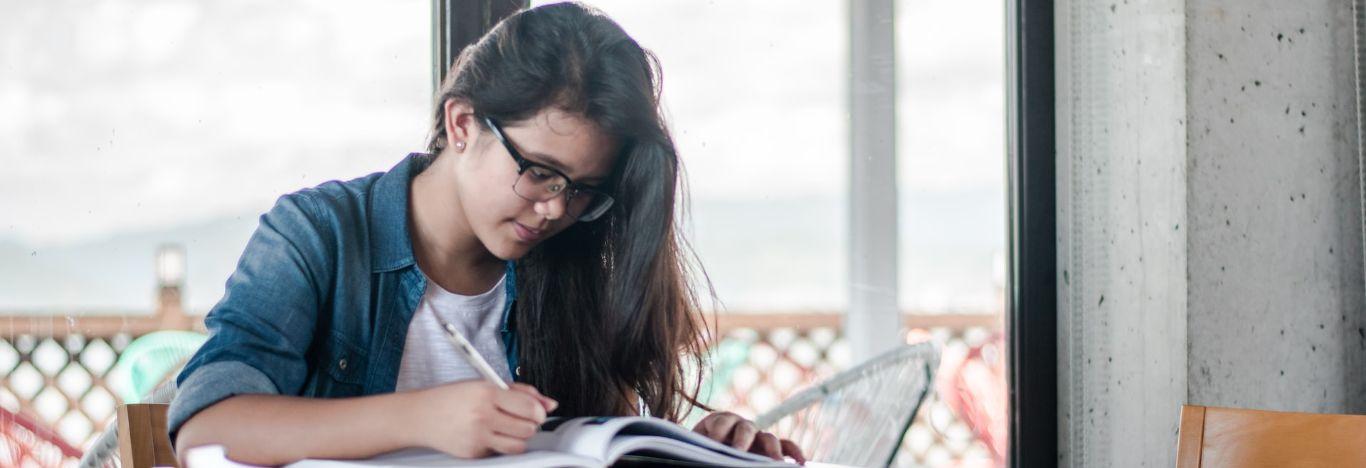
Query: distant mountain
x=118, y=273
x=777, y=254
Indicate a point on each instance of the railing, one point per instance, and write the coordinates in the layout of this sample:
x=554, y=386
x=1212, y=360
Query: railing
x=54, y=368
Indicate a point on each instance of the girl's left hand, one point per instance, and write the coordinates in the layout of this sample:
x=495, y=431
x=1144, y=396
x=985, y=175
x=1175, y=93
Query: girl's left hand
x=735, y=431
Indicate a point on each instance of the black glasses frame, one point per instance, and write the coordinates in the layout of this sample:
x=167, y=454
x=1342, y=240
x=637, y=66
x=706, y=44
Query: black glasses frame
x=572, y=189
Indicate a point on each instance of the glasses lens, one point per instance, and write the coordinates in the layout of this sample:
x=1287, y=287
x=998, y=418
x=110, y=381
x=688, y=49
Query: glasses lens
x=539, y=184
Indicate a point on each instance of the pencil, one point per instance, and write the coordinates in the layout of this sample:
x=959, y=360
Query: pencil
x=463, y=345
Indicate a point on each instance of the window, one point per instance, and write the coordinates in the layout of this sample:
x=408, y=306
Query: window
x=753, y=91
x=757, y=95
x=127, y=125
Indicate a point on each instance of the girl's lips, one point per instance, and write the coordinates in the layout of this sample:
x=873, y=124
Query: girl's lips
x=526, y=234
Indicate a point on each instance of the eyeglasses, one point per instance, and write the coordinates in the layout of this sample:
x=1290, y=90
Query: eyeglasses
x=537, y=182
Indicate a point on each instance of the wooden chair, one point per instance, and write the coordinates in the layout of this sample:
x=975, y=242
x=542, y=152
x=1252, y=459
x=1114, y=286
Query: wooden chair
x=110, y=444
x=1213, y=437
x=142, y=436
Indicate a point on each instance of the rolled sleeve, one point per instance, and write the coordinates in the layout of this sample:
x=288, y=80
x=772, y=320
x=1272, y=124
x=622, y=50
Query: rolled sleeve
x=212, y=383
x=261, y=329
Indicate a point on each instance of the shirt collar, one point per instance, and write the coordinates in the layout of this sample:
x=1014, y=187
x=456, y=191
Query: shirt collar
x=390, y=246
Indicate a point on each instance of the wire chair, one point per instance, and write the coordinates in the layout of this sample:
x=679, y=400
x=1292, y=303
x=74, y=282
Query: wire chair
x=859, y=416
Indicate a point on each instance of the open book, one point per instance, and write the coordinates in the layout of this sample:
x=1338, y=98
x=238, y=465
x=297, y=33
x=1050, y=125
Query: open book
x=584, y=442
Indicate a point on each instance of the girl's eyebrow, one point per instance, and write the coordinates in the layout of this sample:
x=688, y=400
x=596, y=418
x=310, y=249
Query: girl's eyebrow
x=549, y=160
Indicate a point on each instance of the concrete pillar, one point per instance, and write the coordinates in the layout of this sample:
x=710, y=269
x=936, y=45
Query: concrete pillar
x=1210, y=218
x=1122, y=233
x=1275, y=209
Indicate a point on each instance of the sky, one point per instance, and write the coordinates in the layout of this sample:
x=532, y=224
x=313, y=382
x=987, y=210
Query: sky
x=128, y=120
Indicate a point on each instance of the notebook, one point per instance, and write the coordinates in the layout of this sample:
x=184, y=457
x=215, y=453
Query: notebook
x=580, y=442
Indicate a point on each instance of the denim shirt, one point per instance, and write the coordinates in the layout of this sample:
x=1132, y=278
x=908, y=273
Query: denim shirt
x=321, y=299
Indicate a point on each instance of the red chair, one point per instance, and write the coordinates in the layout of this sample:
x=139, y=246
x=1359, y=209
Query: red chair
x=974, y=385
x=24, y=442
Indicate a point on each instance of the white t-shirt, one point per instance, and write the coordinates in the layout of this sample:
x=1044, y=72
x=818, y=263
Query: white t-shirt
x=429, y=357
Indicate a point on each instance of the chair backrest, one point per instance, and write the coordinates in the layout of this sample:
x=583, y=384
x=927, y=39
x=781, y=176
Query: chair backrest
x=1212, y=437
x=858, y=417
x=143, y=442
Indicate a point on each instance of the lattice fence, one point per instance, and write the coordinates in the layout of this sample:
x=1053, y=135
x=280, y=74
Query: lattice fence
x=61, y=380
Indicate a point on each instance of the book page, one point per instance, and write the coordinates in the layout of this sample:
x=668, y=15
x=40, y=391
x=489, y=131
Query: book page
x=607, y=438
x=661, y=428
x=584, y=436
x=430, y=458
x=671, y=449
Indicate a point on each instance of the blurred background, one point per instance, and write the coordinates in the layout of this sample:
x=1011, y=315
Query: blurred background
x=140, y=141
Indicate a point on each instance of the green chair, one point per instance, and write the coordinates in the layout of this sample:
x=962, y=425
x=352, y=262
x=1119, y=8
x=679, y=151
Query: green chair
x=151, y=359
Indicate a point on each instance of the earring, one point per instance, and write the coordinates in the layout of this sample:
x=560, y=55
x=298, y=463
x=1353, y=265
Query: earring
x=459, y=146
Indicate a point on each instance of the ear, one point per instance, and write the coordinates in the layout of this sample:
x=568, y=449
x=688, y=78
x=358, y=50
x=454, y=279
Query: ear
x=461, y=124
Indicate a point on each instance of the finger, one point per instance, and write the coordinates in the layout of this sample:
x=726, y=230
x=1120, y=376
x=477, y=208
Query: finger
x=506, y=445
x=767, y=445
x=549, y=403
x=521, y=405
x=742, y=436
x=719, y=428
x=791, y=449
x=476, y=452
x=524, y=388
x=509, y=426
x=546, y=402
x=521, y=387
x=701, y=426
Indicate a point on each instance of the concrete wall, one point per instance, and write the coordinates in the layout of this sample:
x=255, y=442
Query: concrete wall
x=1275, y=261
x=1210, y=217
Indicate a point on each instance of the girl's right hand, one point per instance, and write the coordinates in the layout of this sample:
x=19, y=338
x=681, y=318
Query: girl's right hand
x=475, y=418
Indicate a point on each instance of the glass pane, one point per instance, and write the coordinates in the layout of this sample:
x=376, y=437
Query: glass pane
x=143, y=139
x=951, y=156
x=127, y=125
x=754, y=93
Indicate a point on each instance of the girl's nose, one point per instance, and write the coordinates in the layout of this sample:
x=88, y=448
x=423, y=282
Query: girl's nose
x=551, y=209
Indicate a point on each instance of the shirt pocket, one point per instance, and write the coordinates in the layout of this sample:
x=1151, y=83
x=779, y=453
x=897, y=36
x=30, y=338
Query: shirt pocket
x=345, y=364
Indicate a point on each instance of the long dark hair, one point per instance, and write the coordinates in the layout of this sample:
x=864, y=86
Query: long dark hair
x=604, y=308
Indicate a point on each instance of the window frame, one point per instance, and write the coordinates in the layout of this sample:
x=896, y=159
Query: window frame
x=459, y=23
x=1032, y=285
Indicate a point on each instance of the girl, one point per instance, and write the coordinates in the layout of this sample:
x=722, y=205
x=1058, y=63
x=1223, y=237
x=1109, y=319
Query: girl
x=540, y=224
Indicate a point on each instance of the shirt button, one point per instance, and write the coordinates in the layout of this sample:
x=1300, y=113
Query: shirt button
x=342, y=364
x=519, y=371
